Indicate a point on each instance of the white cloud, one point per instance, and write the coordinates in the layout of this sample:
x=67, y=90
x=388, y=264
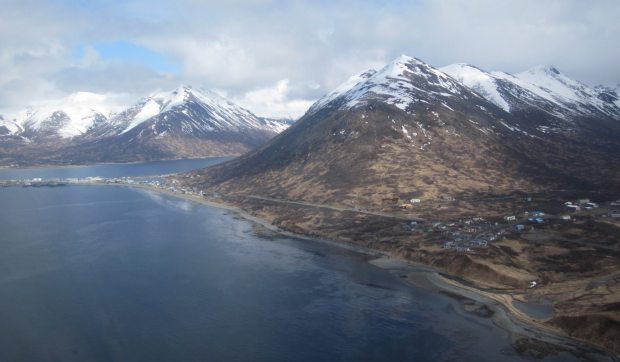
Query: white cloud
x=248, y=46
x=274, y=101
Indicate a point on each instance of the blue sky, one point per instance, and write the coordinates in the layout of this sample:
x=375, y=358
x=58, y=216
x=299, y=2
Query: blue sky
x=276, y=57
x=124, y=51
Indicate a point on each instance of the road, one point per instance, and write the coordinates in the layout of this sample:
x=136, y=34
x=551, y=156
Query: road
x=335, y=208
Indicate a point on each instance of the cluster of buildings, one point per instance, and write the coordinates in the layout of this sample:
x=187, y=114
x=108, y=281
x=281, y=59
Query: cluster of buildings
x=463, y=235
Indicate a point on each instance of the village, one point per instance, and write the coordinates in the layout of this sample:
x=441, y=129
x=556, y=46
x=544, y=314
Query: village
x=473, y=235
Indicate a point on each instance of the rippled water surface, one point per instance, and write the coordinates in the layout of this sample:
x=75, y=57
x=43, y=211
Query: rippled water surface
x=108, y=273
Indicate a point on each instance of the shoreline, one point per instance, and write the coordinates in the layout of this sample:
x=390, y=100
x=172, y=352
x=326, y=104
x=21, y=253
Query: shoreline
x=518, y=325
x=72, y=165
x=504, y=314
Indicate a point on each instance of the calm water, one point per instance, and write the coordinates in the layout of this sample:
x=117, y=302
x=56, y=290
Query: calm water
x=111, y=170
x=109, y=273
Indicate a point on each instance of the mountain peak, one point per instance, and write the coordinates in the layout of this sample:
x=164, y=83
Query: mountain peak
x=401, y=83
x=548, y=70
x=402, y=64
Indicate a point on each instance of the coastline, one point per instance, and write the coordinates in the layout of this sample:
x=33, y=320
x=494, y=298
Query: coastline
x=72, y=165
x=502, y=311
x=531, y=337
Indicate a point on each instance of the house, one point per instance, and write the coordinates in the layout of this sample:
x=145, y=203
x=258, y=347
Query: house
x=510, y=218
x=565, y=217
x=520, y=227
x=573, y=207
x=415, y=201
x=591, y=205
x=536, y=213
x=449, y=245
x=583, y=201
x=615, y=213
x=406, y=206
x=463, y=249
x=478, y=242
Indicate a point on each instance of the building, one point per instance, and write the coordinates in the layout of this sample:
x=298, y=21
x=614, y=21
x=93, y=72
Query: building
x=449, y=245
x=520, y=227
x=510, y=218
x=415, y=201
x=478, y=242
x=565, y=217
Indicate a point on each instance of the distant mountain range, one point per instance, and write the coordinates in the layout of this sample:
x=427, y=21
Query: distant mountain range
x=185, y=122
x=411, y=130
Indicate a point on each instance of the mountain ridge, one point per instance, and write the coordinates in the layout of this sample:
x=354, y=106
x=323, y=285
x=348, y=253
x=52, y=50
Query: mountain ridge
x=181, y=123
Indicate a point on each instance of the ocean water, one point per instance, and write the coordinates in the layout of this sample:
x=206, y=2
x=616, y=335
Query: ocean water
x=111, y=170
x=100, y=273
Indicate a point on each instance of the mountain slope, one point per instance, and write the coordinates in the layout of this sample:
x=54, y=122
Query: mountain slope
x=182, y=123
x=411, y=130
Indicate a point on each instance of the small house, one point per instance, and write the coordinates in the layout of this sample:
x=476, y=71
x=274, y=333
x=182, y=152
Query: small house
x=583, y=201
x=536, y=213
x=565, y=217
x=510, y=218
x=520, y=227
x=415, y=201
x=615, y=213
x=406, y=206
x=449, y=245
x=478, y=242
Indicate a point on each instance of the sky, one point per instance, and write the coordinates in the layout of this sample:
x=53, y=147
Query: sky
x=277, y=57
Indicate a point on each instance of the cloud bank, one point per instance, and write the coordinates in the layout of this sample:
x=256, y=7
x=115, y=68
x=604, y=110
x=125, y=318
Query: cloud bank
x=277, y=57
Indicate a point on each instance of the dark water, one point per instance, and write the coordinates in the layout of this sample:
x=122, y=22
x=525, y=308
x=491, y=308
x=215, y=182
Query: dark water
x=110, y=170
x=107, y=273
x=95, y=273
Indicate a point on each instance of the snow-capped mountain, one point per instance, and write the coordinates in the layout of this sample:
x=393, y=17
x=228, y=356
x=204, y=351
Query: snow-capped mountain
x=192, y=111
x=9, y=127
x=63, y=118
x=541, y=87
x=398, y=83
x=411, y=129
x=184, y=122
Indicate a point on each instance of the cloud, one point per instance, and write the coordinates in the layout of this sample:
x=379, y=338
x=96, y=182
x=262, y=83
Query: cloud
x=274, y=101
x=247, y=48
